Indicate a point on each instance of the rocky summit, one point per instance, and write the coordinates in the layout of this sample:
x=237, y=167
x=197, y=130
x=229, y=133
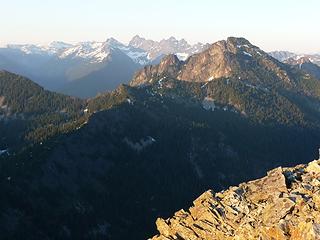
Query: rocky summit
x=280, y=206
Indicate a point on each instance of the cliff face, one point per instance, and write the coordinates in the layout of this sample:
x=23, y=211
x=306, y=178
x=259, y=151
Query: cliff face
x=283, y=205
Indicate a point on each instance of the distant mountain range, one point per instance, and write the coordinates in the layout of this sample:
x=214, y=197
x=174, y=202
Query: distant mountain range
x=305, y=64
x=310, y=63
x=88, y=68
x=155, y=49
x=285, y=55
x=108, y=166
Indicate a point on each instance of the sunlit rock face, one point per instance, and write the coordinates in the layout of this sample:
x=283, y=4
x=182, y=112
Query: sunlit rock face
x=283, y=205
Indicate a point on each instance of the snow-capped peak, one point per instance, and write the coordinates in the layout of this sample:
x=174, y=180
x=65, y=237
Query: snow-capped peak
x=27, y=48
x=60, y=45
x=114, y=42
x=49, y=49
x=92, y=51
x=99, y=51
x=56, y=47
x=140, y=50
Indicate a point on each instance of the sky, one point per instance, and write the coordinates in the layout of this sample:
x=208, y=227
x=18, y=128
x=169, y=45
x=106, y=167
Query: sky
x=270, y=24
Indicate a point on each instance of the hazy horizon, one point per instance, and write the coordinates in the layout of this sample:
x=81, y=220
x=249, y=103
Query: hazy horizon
x=271, y=25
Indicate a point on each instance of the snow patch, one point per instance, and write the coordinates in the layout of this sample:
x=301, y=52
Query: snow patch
x=244, y=45
x=250, y=86
x=5, y=151
x=182, y=56
x=196, y=167
x=246, y=53
x=204, y=85
x=257, y=87
x=208, y=104
x=141, y=144
x=210, y=78
x=137, y=55
x=160, y=82
x=129, y=101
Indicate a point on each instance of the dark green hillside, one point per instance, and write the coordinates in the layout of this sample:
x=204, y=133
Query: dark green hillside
x=147, y=155
x=29, y=113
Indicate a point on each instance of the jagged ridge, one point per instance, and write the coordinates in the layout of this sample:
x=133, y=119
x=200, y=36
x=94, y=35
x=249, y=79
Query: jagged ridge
x=234, y=57
x=283, y=205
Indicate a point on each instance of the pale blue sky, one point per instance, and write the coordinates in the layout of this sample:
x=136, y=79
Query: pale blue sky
x=271, y=24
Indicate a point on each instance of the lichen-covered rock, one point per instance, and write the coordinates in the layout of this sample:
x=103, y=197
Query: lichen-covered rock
x=284, y=205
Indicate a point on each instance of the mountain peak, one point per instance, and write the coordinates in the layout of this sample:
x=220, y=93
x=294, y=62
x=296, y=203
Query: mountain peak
x=232, y=44
x=137, y=37
x=170, y=59
x=172, y=39
x=60, y=44
x=113, y=42
x=137, y=42
x=238, y=41
x=169, y=66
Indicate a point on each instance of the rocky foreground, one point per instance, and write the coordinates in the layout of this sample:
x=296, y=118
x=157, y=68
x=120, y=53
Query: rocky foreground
x=283, y=205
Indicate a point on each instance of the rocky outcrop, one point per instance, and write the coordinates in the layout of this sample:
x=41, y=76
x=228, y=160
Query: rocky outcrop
x=217, y=61
x=169, y=66
x=284, y=205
